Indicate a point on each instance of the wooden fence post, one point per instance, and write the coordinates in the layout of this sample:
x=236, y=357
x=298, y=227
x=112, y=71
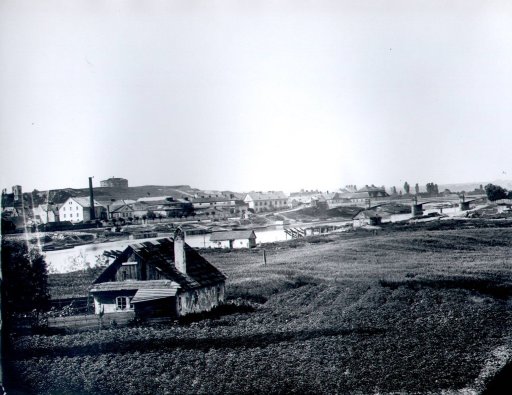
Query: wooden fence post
x=264, y=257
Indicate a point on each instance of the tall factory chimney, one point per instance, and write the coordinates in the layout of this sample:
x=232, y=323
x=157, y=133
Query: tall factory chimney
x=91, y=199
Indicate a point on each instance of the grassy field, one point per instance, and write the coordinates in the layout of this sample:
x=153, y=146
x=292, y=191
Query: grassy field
x=397, y=312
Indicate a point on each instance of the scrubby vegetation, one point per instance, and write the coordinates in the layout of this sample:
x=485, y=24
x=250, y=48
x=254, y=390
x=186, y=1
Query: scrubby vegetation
x=393, y=313
x=74, y=284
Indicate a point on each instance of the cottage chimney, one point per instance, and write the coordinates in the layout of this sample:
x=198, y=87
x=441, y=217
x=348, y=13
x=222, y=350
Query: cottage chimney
x=179, y=251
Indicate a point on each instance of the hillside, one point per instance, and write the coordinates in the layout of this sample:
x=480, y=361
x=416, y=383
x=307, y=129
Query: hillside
x=133, y=193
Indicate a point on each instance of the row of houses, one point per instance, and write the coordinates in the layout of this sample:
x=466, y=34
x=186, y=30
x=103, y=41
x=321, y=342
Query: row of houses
x=344, y=196
x=221, y=205
x=78, y=209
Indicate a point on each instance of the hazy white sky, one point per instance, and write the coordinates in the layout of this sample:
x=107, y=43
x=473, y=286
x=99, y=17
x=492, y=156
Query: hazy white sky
x=261, y=95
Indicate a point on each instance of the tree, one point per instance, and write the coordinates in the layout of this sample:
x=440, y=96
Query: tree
x=25, y=278
x=393, y=190
x=407, y=187
x=417, y=189
x=151, y=215
x=495, y=192
x=432, y=189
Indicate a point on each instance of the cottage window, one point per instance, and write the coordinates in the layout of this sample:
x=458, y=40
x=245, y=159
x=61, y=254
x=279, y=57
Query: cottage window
x=121, y=303
x=124, y=303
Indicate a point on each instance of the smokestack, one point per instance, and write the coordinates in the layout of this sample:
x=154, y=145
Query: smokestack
x=179, y=251
x=91, y=199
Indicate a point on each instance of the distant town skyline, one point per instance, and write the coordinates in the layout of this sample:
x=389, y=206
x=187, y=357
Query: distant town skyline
x=243, y=95
x=456, y=186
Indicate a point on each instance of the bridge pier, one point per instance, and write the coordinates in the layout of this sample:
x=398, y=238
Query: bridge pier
x=416, y=208
x=463, y=205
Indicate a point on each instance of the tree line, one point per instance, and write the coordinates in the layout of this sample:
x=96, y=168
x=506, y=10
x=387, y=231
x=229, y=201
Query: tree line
x=495, y=192
x=432, y=189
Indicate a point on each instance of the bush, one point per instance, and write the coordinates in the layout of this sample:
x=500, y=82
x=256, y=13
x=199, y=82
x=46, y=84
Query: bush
x=25, y=276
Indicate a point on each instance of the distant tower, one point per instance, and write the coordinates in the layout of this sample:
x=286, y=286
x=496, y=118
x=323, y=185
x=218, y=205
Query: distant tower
x=16, y=190
x=114, y=182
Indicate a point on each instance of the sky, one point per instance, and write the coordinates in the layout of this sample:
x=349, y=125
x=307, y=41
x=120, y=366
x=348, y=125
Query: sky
x=254, y=95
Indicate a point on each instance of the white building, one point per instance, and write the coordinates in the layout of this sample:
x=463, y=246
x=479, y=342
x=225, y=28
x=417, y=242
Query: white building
x=234, y=239
x=77, y=209
x=268, y=201
x=45, y=213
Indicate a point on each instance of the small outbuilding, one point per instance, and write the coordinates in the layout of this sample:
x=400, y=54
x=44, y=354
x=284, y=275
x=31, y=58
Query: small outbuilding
x=367, y=217
x=163, y=277
x=234, y=239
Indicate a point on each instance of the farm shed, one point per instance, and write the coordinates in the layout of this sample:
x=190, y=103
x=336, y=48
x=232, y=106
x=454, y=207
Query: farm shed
x=234, y=239
x=367, y=217
x=163, y=277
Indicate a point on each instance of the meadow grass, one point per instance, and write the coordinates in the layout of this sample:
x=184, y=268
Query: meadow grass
x=407, y=312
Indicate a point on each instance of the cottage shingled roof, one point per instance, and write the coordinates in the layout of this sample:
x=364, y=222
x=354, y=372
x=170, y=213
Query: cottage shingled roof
x=160, y=253
x=233, y=235
x=133, y=285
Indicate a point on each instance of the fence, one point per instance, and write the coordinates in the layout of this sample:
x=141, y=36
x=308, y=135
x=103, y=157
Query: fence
x=90, y=321
x=77, y=323
x=82, y=304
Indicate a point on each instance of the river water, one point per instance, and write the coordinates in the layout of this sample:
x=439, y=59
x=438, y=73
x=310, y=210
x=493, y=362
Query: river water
x=91, y=255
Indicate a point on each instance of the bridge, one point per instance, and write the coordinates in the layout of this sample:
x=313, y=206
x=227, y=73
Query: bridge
x=417, y=205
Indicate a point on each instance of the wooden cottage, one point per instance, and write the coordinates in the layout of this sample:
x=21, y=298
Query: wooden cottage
x=163, y=277
x=234, y=239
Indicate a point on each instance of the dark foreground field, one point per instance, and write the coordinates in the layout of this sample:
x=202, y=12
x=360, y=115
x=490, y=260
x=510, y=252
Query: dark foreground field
x=403, y=312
